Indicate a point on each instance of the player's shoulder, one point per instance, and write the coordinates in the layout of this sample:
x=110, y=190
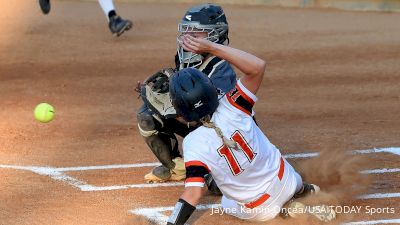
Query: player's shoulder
x=239, y=100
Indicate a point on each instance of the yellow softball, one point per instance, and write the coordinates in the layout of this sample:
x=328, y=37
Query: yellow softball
x=44, y=112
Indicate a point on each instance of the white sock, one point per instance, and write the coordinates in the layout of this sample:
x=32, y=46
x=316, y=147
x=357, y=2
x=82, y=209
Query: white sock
x=107, y=6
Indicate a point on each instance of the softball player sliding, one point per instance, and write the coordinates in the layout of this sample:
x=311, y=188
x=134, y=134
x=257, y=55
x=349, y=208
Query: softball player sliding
x=254, y=178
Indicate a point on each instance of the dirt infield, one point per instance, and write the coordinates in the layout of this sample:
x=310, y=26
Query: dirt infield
x=332, y=84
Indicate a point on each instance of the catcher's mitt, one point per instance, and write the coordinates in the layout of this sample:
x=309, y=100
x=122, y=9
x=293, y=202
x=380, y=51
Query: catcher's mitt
x=155, y=93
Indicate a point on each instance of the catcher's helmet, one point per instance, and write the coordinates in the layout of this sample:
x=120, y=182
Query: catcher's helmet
x=193, y=95
x=208, y=18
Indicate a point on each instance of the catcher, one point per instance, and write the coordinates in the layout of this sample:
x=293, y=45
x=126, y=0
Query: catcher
x=157, y=119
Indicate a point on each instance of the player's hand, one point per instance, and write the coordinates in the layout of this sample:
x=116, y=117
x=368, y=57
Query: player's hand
x=197, y=45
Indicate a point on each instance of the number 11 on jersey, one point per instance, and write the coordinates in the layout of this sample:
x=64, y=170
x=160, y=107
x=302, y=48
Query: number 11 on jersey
x=230, y=158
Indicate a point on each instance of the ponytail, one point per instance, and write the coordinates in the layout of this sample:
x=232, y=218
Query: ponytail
x=227, y=142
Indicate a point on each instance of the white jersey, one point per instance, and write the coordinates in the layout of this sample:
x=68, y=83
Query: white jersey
x=242, y=174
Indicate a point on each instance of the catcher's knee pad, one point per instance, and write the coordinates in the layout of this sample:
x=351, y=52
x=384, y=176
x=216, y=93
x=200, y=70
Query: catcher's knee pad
x=147, y=123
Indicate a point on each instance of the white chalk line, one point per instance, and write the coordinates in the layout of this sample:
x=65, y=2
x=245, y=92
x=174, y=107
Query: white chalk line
x=127, y=186
x=392, y=150
x=83, y=186
x=379, y=196
x=82, y=168
x=388, y=221
x=380, y=171
x=157, y=215
x=57, y=173
x=107, y=167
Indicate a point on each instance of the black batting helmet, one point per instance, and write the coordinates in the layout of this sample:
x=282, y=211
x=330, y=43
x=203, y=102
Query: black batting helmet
x=193, y=95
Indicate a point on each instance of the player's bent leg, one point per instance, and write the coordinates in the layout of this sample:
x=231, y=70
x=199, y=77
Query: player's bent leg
x=164, y=147
x=159, y=143
x=280, y=191
x=165, y=172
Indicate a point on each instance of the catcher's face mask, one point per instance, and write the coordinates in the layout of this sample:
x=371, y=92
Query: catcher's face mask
x=209, y=32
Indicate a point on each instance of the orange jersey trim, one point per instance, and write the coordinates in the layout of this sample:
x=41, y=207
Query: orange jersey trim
x=196, y=163
x=265, y=197
x=258, y=202
x=194, y=179
x=230, y=100
x=281, y=169
x=243, y=94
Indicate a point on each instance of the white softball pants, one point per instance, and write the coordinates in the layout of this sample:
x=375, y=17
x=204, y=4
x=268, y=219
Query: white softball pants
x=280, y=192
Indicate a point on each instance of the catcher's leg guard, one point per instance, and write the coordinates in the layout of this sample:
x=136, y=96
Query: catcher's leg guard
x=163, y=145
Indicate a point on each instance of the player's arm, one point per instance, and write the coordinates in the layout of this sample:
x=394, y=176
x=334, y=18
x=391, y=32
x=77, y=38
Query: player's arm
x=186, y=205
x=194, y=190
x=252, y=66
